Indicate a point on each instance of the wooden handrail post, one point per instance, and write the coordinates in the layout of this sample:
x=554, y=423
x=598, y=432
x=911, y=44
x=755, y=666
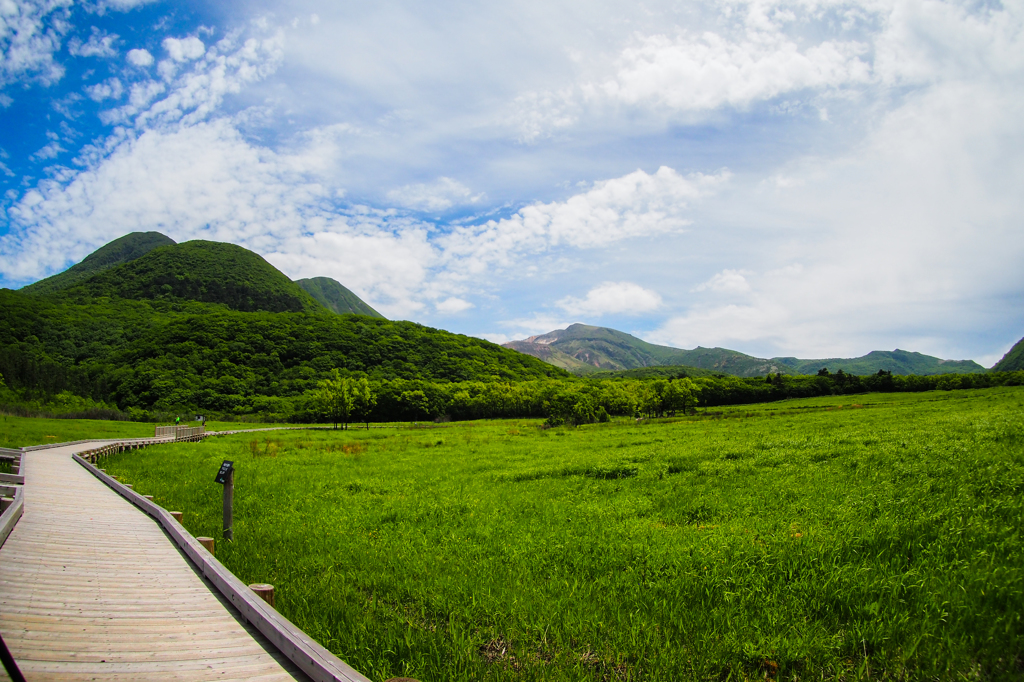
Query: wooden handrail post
x=264, y=592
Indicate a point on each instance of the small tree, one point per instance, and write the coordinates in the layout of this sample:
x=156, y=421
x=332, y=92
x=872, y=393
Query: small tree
x=333, y=398
x=363, y=400
x=680, y=395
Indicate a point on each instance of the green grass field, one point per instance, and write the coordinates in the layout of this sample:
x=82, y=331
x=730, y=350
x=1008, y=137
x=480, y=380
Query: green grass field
x=16, y=432
x=859, y=537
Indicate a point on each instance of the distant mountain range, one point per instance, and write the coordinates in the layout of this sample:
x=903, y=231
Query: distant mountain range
x=150, y=265
x=584, y=349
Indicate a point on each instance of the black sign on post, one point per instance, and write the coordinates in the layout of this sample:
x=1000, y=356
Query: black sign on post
x=226, y=477
x=226, y=468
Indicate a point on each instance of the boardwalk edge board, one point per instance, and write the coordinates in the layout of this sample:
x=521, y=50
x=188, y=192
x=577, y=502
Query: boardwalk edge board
x=313, y=659
x=11, y=515
x=9, y=519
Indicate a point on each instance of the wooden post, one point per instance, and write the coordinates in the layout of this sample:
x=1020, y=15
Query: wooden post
x=264, y=592
x=229, y=498
x=207, y=543
x=176, y=516
x=148, y=497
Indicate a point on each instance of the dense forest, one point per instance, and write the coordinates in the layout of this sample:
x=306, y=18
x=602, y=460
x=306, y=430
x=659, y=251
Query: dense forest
x=152, y=358
x=145, y=329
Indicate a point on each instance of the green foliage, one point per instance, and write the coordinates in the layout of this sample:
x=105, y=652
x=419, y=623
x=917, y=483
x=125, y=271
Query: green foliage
x=121, y=250
x=339, y=399
x=824, y=538
x=335, y=297
x=155, y=355
x=1013, y=361
x=207, y=272
x=333, y=399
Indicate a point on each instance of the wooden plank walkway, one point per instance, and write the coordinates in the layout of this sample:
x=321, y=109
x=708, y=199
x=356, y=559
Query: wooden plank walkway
x=93, y=589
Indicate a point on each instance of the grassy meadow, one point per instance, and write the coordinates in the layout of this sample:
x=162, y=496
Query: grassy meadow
x=16, y=432
x=876, y=536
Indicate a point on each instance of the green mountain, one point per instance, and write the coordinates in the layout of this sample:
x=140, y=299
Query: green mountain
x=897, y=361
x=207, y=272
x=584, y=349
x=121, y=250
x=335, y=297
x=1013, y=360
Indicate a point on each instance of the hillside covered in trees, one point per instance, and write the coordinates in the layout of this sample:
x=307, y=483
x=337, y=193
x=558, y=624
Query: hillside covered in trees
x=1013, y=361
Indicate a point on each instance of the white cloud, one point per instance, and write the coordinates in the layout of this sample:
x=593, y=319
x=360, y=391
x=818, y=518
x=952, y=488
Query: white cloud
x=894, y=240
x=439, y=195
x=119, y=5
x=726, y=282
x=50, y=151
x=31, y=32
x=452, y=305
x=196, y=93
x=184, y=49
x=695, y=73
x=140, y=57
x=610, y=298
x=100, y=44
x=494, y=338
x=108, y=89
x=537, y=114
x=636, y=205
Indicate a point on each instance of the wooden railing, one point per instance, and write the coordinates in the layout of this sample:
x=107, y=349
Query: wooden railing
x=181, y=433
x=12, y=503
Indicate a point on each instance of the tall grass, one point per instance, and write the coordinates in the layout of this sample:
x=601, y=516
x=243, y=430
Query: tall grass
x=816, y=539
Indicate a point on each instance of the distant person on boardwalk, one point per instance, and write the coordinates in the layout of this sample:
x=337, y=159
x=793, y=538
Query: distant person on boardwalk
x=177, y=420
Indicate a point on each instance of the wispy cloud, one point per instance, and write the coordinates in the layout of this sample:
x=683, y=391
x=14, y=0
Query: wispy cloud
x=610, y=298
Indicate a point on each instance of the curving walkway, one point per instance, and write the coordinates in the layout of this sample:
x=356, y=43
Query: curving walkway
x=93, y=589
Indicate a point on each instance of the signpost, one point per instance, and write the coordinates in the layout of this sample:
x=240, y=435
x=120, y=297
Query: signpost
x=226, y=477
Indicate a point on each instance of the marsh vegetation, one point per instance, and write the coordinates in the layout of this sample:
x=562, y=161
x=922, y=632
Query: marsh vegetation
x=872, y=536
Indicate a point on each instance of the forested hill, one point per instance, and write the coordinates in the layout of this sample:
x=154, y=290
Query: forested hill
x=121, y=250
x=584, y=349
x=149, y=265
x=1013, y=360
x=335, y=297
x=207, y=272
x=169, y=354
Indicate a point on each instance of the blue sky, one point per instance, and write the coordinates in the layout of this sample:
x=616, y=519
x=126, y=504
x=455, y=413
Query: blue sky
x=813, y=178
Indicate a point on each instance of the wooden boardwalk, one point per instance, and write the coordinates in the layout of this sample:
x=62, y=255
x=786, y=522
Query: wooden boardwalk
x=93, y=589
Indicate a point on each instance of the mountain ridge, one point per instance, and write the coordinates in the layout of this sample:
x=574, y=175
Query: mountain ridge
x=585, y=349
x=122, y=250
x=202, y=271
x=198, y=270
x=1013, y=360
x=335, y=296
